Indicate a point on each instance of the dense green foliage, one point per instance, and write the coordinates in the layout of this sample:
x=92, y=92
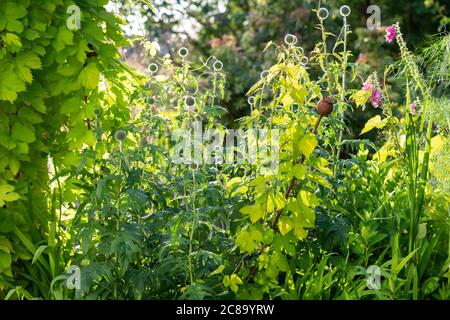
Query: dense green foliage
x=89, y=180
x=49, y=83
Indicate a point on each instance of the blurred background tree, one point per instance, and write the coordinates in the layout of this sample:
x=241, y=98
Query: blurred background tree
x=236, y=32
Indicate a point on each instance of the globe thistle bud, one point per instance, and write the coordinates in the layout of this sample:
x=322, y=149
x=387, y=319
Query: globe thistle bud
x=120, y=135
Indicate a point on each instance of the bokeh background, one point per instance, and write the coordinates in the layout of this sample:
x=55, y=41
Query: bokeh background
x=236, y=32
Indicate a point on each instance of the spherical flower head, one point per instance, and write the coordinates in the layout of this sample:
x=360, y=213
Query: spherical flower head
x=120, y=135
x=390, y=34
x=375, y=99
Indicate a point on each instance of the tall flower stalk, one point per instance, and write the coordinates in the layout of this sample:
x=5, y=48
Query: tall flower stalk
x=417, y=172
x=342, y=107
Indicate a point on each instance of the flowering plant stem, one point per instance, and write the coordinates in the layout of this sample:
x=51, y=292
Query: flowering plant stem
x=417, y=172
x=342, y=89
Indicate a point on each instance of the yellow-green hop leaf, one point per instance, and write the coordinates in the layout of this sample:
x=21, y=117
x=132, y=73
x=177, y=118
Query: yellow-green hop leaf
x=374, y=122
x=14, y=165
x=275, y=202
x=89, y=76
x=10, y=14
x=63, y=38
x=299, y=171
x=23, y=133
x=254, y=211
x=248, y=241
x=5, y=245
x=7, y=194
x=71, y=105
x=307, y=144
x=12, y=42
x=232, y=282
x=217, y=271
x=285, y=224
x=24, y=62
x=5, y=261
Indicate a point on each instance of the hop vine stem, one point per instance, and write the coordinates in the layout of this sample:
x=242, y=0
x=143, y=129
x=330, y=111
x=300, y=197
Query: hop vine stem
x=289, y=189
x=294, y=179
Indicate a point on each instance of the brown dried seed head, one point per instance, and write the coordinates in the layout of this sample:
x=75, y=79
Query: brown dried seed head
x=325, y=106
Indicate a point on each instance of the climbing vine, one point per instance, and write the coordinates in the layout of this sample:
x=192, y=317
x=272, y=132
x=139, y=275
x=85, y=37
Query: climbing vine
x=52, y=79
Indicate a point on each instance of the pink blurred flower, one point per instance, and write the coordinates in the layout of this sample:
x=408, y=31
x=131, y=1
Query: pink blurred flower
x=215, y=42
x=390, y=34
x=229, y=40
x=375, y=100
x=367, y=85
x=413, y=107
x=362, y=59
